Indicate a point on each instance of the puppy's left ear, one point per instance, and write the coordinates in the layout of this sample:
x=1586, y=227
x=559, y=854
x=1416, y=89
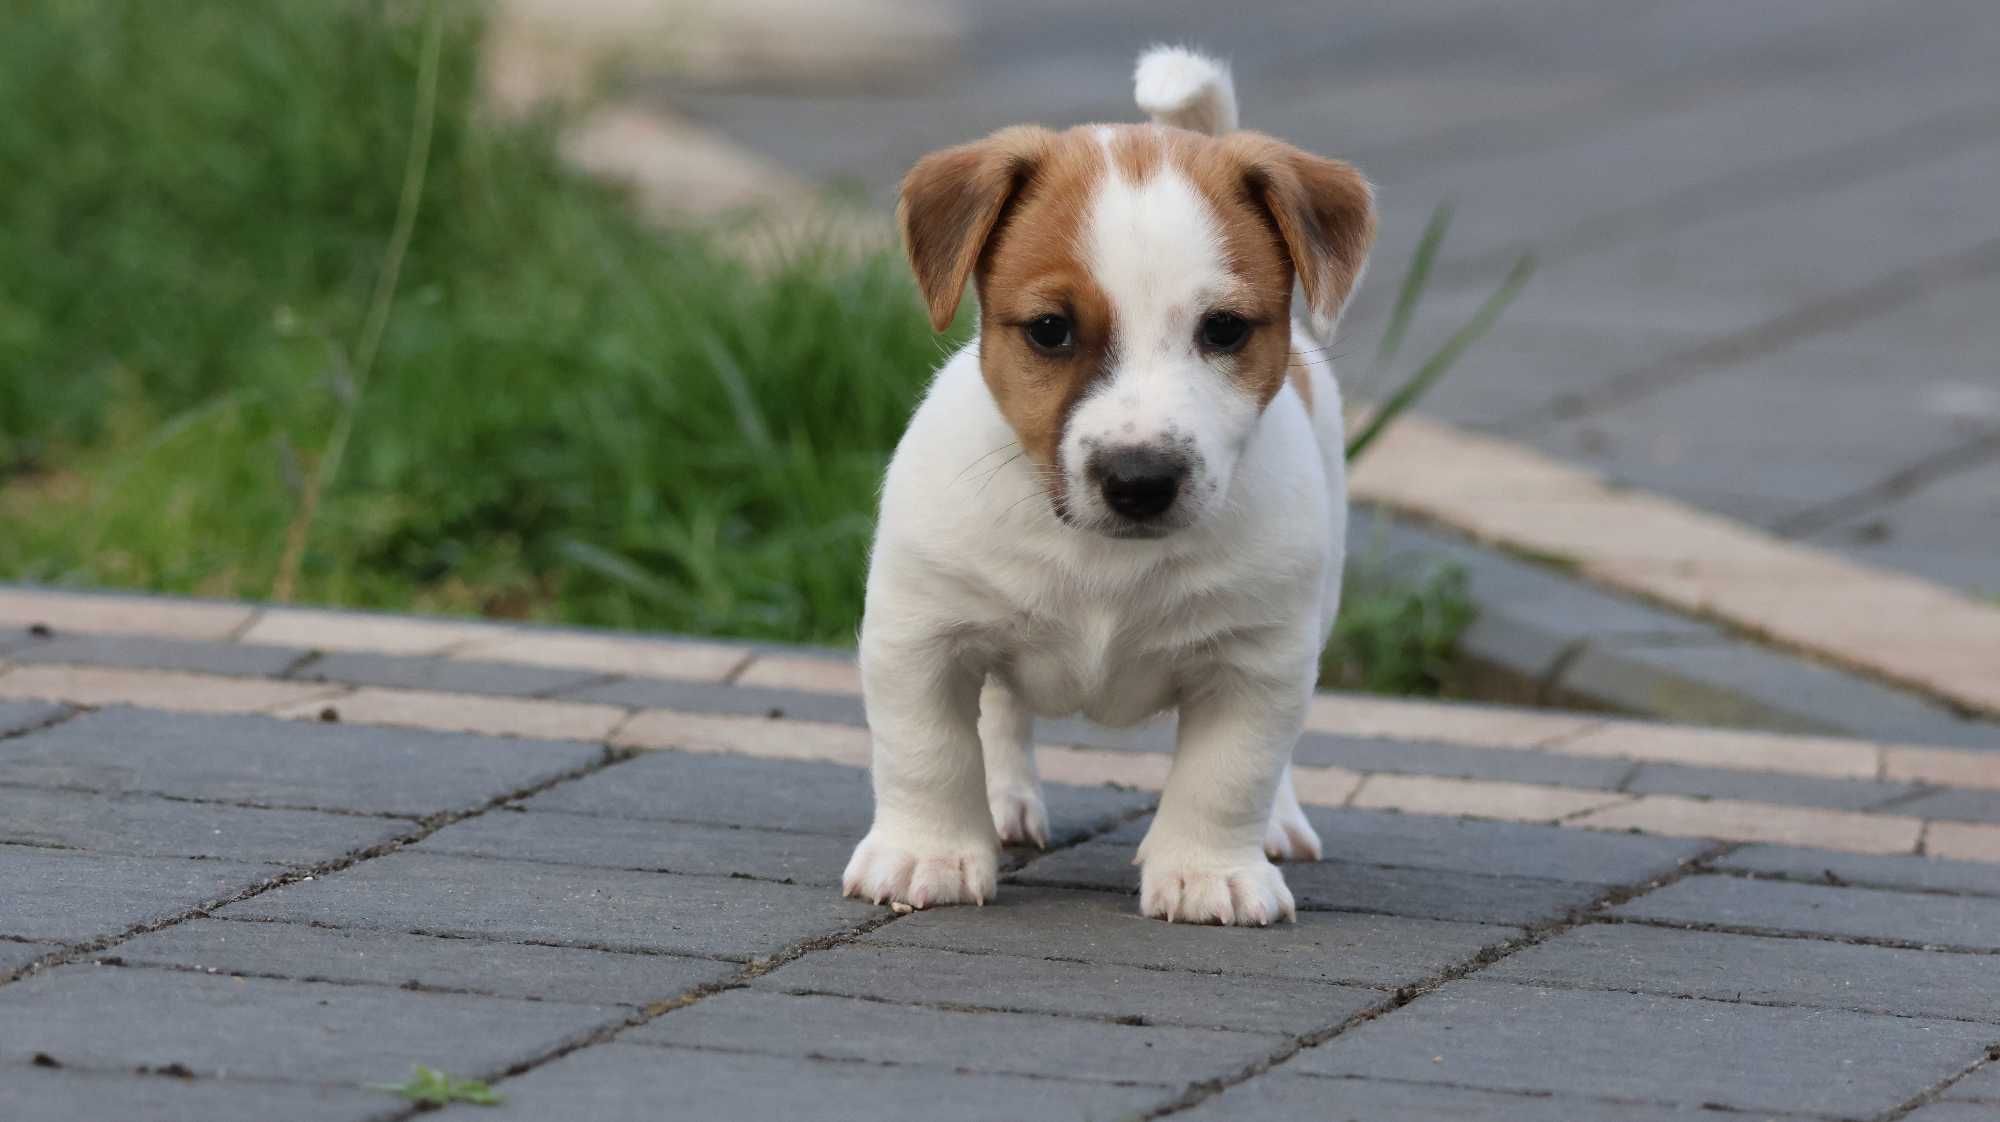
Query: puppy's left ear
x=950, y=203
x=1325, y=214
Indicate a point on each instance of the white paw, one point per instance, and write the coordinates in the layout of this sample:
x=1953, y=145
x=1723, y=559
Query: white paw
x=897, y=867
x=1020, y=817
x=1290, y=837
x=1249, y=891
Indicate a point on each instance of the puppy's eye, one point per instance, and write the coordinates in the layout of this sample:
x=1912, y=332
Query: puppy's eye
x=1050, y=334
x=1223, y=332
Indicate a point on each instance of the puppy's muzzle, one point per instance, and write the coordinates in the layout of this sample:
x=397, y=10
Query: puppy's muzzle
x=1138, y=483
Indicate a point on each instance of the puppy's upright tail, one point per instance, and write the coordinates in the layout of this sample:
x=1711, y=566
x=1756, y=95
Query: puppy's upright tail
x=1175, y=86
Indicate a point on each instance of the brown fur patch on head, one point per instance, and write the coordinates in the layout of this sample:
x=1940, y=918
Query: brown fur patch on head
x=1033, y=266
x=1323, y=210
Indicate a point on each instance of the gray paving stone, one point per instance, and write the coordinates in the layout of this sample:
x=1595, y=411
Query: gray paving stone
x=1411, y=841
x=153, y=653
x=146, y=826
x=1100, y=927
x=32, y=1094
x=1723, y=967
x=14, y=955
x=392, y=958
x=806, y=797
x=1533, y=598
x=1961, y=806
x=1496, y=848
x=1982, y=1085
x=1924, y=919
x=63, y=895
x=1508, y=1037
x=1802, y=790
x=517, y=901
x=1953, y=1111
x=1725, y=681
x=101, y=1016
x=19, y=716
x=1927, y=873
x=636, y=843
x=446, y=674
x=1051, y=985
x=636, y=1082
x=846, y=1028
x=705, y=697
x=1345, y=886
x=284, y=763
x=1411, y=758
x=1288, y=1096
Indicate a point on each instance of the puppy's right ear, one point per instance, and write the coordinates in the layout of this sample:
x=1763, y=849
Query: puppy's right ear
x=950, y=203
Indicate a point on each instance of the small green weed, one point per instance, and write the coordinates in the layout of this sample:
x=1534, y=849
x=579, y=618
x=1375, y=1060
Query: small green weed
x=1399, y=625
x=431, y=1087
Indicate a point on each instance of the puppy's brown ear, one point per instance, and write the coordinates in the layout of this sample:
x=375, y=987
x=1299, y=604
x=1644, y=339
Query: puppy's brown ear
x=1325, y=214
x=949, y=204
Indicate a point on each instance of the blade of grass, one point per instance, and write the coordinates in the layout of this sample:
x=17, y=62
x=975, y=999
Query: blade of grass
x=1415, y=280
x=1435, y=367
x=416, y=164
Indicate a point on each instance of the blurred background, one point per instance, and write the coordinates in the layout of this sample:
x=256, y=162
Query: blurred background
x=587, y=310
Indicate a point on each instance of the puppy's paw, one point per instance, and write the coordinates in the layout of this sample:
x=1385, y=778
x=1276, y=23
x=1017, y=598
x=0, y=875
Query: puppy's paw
x=1020, y=817
x=1290, y=837
x=1247, y=892
x=898, y=867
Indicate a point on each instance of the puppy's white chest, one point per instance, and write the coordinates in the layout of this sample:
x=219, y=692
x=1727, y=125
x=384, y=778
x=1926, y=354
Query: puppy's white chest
x=1090, y=664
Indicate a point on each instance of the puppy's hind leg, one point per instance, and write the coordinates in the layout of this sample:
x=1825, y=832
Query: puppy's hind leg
x=1290, y=837
x=1007, y=737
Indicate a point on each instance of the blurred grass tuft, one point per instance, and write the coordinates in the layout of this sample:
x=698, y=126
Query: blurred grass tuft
x=196, y=200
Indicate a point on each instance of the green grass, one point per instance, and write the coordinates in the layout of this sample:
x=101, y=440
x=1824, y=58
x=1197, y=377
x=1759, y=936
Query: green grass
x=431, y=1087
x=552, y=412
x=1400, y=620
x=570, y=416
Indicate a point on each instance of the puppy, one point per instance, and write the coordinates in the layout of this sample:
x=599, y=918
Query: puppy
x=1124, y=496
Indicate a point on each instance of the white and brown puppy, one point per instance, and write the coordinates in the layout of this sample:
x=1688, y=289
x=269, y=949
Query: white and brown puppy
x=1125, y=496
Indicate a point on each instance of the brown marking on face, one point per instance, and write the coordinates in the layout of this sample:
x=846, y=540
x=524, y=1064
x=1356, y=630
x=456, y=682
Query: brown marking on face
x=1032, y=267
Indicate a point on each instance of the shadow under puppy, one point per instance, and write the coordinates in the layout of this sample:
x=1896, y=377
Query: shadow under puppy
x=1124, y=496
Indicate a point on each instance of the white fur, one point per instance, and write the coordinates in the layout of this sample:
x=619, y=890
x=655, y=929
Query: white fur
x=1176, y=86
x=986, y=608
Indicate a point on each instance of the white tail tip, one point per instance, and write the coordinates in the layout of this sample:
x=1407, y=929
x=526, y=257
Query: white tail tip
x=1175, y=86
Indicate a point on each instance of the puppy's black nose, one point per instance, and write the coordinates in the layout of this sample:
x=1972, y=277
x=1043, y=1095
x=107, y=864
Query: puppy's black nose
x=1139, y=483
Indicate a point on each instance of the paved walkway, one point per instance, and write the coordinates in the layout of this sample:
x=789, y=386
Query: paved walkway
x=253, y=861
x=1769, y=238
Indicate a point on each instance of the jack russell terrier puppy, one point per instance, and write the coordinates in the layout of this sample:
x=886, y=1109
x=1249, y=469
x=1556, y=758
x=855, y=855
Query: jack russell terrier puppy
x=1124, y=496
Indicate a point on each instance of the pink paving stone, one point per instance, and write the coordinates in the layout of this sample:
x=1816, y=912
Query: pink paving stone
x=1743, y=821
x=1721, y=748
x=475, y=713
x=795, y=672
x=1963, y=841
x=1943, y=766
x=1475, y=726
x=610, y=654
x=348, y=631
x=750, y=736
x=120, y=615
x=1478, y=798
x=157, y=689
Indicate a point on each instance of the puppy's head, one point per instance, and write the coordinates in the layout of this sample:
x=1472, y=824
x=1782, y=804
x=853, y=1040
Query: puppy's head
x=1135, y=288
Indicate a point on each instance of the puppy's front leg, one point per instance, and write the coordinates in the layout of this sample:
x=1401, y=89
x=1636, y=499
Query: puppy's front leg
x=1007, y=733
x=933, y=840
x=1203, y=860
